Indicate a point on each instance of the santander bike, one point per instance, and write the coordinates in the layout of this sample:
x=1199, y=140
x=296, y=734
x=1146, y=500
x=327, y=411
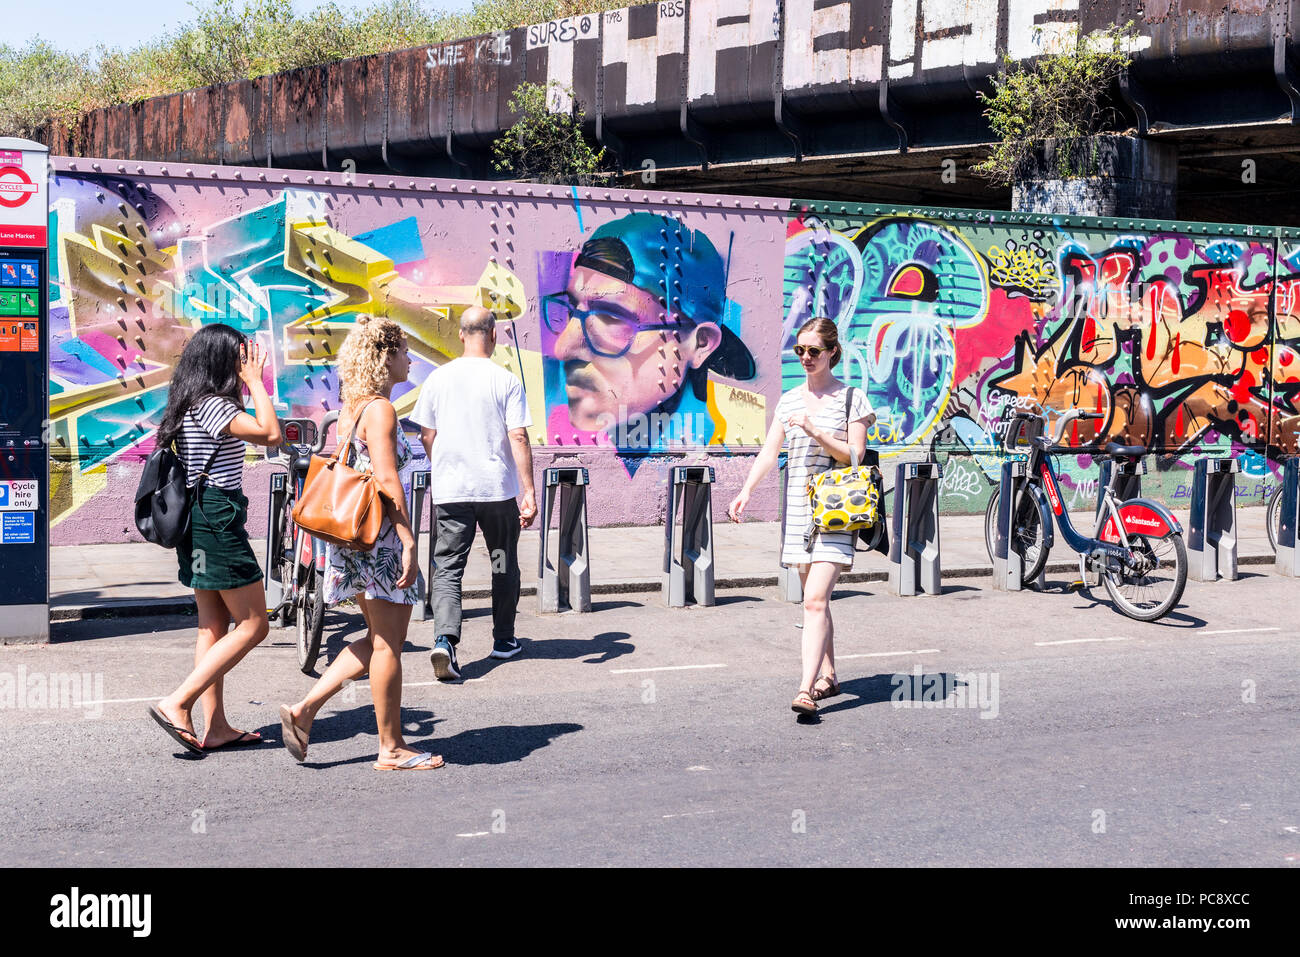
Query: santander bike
x=1136, y=548
x=298, y=558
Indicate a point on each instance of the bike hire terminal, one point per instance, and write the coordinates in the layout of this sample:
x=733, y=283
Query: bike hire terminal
x=24, y=393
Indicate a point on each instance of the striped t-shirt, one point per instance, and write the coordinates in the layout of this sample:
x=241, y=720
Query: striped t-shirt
x=201, y=432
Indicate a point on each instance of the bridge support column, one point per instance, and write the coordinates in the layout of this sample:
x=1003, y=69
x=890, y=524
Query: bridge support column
x=1126, y=176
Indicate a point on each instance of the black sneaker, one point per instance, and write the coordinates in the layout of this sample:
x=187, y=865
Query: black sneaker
x=443, y=659
x=506, y=647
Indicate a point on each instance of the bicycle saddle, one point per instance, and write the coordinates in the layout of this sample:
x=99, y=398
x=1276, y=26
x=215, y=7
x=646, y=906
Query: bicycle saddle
x=1115, y=450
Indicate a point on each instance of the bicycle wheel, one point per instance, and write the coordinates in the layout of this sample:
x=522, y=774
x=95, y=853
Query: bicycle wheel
x=1274, y=518
x=1152, y=588
x=311, y=621
x=1026, y=534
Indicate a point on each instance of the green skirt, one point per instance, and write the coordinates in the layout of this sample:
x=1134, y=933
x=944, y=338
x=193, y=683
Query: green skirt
x=216, y=554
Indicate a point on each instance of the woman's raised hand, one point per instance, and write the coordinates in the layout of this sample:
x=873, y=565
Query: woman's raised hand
x=250, y=370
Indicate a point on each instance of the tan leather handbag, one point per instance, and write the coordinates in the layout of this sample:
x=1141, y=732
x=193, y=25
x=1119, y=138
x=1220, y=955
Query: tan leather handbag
x=339, y=504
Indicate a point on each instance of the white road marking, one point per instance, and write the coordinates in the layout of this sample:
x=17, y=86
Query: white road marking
x=1238, y=631
x=474, y=834
x=888, y=654
x=157, y=697
x=634, y=671
x=688, y=814
x=1076, y=641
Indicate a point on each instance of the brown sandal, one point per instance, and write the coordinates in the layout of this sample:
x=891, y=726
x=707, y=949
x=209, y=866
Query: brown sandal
x=830, y=691
x=803, y=704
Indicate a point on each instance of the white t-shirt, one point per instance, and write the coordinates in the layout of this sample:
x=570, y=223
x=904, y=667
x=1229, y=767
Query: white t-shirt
x=473, y=403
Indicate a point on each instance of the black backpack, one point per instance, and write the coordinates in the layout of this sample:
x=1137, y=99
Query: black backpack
x=162, y=502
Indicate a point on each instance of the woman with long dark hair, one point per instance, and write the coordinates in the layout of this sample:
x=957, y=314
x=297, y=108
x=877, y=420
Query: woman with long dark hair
x=824, y=427
x=386, y=580
x=205, y=417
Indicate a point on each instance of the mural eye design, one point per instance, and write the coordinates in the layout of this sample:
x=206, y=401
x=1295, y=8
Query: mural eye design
x=913, y=282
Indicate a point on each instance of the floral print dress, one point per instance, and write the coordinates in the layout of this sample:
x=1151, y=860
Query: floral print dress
x=374, y=572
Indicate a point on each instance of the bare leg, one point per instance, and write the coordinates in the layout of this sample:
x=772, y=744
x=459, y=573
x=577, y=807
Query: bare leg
x=389, y=622
x=214, y=622
x=818, y=584
x=351, y=664
x=247, y=606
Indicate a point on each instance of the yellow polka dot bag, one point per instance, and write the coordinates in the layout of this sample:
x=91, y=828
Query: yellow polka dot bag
x=844, y=499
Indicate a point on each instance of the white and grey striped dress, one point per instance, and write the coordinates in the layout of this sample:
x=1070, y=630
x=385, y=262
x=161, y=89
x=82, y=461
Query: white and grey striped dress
x=805, y=457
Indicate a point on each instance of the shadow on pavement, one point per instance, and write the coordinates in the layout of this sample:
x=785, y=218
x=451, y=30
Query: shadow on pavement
x=606, y=646
x=502, y=744
x=732, y=599
x=898, y=686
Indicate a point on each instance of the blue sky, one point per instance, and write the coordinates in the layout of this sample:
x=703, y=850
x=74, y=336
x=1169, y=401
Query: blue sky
x=77, y=25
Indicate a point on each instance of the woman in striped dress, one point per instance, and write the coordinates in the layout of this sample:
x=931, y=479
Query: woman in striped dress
x=818, y=421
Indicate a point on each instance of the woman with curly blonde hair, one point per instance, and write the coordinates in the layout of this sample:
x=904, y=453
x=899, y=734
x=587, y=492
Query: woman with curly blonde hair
x=386, y=580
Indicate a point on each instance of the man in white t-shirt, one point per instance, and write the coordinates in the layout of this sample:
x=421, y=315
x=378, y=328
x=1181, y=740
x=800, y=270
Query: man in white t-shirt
x=473, y=419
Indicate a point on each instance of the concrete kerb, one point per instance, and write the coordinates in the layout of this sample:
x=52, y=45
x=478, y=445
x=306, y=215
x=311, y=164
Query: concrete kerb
x=149, y=608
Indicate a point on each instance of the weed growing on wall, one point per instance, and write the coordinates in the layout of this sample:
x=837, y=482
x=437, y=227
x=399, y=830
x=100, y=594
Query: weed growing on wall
x=546, y=144
x=1060, y=96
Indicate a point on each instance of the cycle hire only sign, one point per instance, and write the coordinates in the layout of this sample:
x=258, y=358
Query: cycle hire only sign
x=17, y=512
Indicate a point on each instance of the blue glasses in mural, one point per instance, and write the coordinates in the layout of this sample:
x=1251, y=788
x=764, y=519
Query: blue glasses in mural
x=609, y=330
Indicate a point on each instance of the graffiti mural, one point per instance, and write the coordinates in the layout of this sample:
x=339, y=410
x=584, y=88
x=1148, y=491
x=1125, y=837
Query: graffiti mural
x=635, y=333
x=1187, y=345
x=649, y=329
x=638, y=337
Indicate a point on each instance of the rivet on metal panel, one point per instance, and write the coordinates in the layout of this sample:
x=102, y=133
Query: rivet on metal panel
x=261, y=176
x=473, y=189
x=285, y=177
x=548, y=192
x=411, y=185
x=311, y=179
x=140, y=170
x=370, y=182
x=121, y=167
x=189, y=172
x=213, y=174
x=161, y=169
x=454, y=188
x=510, y=190
x=72, y=166
x=96, y=167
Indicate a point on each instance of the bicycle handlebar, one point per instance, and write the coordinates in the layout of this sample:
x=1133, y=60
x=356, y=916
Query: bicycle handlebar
x=330, y=419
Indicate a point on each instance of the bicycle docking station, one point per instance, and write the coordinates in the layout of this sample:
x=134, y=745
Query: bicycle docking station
x=1287, y=561
x=1128, y=480
x=279, y=492
x=415, y=509
x=914, y=566
x=564, y=584
x=788, y=586
x=688, y=546
x=1008, y=565
x=1212, y=535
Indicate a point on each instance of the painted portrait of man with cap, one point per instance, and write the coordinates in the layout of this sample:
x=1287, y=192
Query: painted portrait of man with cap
x=641, y=323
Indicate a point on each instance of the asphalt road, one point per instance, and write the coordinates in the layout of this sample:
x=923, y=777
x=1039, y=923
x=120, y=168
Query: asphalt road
x=643, y=735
